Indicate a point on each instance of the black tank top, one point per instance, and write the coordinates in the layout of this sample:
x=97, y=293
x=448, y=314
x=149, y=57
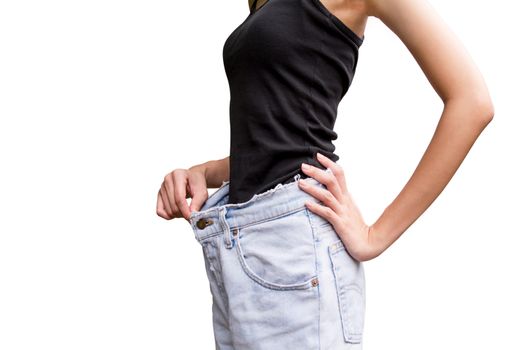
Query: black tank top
x=288, y=64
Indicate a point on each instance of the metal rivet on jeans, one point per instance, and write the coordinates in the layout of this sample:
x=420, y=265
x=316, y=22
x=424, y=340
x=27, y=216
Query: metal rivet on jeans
x=315, y=282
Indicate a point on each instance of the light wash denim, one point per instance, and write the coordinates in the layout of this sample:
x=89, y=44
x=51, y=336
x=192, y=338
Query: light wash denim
x=279, y=275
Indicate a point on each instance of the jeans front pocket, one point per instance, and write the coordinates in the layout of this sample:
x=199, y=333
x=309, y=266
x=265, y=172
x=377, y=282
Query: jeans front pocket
x=349, y=278
x=279, y=253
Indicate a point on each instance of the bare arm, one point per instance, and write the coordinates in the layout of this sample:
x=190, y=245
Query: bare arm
x=181, y=183
x=467, y=110
x=215, y=171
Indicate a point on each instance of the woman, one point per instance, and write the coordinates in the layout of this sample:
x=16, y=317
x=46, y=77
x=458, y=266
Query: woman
x=284, y=242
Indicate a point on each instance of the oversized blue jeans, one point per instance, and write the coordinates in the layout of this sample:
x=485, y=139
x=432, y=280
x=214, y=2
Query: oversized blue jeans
x=280, y=277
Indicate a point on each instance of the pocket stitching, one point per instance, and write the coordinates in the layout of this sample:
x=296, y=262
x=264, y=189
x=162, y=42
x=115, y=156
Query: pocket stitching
x=350, y=337
x=271, y=285
x=267, y=220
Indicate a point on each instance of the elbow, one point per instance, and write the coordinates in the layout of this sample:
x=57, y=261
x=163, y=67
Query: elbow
x=478, y=109
x=481, y=107
x=485, y=110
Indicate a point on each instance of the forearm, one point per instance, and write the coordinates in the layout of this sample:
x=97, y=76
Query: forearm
x=215, y=171
x=460, y=125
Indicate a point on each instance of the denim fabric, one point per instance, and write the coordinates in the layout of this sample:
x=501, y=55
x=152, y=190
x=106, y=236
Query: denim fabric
x=279, y=275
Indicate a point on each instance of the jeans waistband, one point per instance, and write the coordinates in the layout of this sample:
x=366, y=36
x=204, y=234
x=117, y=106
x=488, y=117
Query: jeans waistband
x=216, y=217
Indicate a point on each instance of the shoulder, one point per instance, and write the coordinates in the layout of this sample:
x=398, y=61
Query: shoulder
x=415, y=22
x=438, y=51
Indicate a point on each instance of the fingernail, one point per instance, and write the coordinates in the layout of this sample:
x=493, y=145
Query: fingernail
x=321, y=155
x=305, y=166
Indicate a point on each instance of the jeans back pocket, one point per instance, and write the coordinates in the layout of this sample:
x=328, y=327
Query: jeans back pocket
x=349, y=278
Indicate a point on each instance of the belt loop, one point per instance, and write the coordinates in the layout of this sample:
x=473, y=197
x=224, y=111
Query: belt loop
x=226, y=228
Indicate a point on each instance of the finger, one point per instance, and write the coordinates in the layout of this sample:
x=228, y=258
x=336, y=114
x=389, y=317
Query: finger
x=336, y=169
x=166, y=202
x=326, y=178
x=165, y=199
x=160, y=208
x=180, y=195
x=323, y=211
x=199, y=192
x=169, y=184
x=324, y=195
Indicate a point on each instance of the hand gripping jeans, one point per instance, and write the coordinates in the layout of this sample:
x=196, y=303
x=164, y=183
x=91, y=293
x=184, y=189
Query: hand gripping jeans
x=279, y=275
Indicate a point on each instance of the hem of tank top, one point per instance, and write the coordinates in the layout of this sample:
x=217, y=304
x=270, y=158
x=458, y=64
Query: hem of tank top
x=340, y=24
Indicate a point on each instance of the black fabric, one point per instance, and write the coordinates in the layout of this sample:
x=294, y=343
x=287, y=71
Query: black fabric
x=288, y=64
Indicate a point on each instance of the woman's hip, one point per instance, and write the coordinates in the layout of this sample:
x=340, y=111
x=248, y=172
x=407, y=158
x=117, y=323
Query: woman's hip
x=278, y=273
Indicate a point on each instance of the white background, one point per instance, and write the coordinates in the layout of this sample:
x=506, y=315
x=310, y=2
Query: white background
x=100, y=99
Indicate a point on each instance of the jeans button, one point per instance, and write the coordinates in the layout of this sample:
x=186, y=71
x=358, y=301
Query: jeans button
x=202, y=223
